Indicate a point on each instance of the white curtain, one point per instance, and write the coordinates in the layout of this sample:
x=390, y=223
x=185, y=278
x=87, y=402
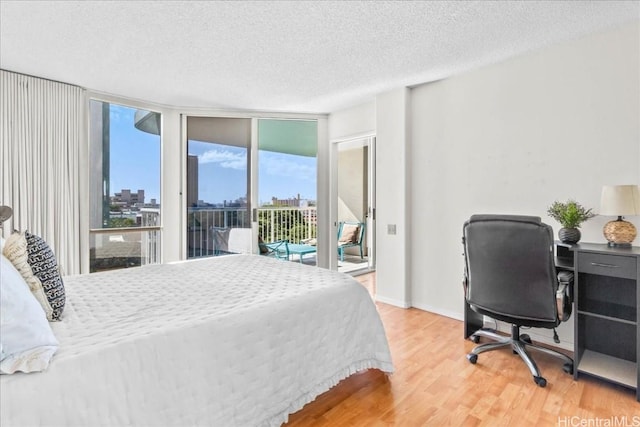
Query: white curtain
x=42, y=153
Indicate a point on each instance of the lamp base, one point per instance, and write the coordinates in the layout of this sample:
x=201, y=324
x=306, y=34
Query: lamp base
x=619, y=233
x=619, y=245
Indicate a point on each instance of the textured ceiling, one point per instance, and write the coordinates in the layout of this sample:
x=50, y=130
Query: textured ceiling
x=298, y=56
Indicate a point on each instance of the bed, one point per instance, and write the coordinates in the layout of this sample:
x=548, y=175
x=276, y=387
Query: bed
x=238, y=340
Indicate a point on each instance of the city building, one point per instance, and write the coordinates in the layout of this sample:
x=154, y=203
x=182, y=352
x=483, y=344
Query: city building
x=127, y=198
x=192, y=181
x=291, y=202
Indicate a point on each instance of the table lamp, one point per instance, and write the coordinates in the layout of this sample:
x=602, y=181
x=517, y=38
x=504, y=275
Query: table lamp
x=5, y=213
x=620, y=200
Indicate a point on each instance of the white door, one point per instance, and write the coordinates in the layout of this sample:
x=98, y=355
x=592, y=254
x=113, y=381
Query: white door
x=353, y=197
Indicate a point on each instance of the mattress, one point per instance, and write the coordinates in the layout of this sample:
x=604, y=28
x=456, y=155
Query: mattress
x=239, y=340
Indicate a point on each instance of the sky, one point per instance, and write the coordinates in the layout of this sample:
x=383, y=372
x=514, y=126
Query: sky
x=135, y=164
x=134, y=155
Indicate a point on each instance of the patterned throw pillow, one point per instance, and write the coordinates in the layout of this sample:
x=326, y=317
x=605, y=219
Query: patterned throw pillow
x=35, y=260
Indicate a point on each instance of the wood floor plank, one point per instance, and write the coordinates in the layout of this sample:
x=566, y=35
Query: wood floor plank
x=435, y=385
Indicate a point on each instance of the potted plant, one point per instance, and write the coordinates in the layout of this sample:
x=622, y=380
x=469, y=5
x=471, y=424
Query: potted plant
x=570, y=215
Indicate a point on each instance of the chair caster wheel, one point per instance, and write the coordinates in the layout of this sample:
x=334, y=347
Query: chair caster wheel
x=568, y=368
x=526, y=338
x=540, y=381
x=473, y=358
x=475, y=338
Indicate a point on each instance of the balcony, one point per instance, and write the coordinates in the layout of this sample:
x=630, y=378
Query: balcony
x=113, y=248
x=290, y=223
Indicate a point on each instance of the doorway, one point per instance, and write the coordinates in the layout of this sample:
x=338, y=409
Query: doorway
x=218, y=185
x=355, y=205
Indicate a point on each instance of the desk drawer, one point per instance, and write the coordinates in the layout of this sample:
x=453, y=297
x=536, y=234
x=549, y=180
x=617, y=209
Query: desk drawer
x=607, y=265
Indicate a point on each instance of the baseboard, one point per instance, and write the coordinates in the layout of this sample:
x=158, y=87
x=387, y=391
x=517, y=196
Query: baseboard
x=391, y=301
x=445, y=313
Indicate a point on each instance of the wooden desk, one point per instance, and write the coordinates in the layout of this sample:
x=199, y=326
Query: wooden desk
x=606, y=339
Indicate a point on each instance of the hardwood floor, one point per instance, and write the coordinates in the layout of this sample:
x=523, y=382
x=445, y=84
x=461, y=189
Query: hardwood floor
x=435, y=385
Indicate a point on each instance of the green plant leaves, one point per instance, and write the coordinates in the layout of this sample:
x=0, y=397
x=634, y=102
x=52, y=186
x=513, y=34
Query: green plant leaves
x=570, y=214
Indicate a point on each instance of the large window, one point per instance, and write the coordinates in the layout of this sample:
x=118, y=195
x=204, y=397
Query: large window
x=124, y=186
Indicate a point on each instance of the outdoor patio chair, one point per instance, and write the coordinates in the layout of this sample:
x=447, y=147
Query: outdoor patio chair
x=278, y=249
x=350, y=234
x=230, y=240
x=282, y=249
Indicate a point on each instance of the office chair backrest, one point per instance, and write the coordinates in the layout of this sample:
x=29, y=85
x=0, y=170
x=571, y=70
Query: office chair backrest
x=510, y=269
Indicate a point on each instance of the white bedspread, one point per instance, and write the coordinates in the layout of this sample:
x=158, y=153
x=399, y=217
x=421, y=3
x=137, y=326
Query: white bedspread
x=240, y=340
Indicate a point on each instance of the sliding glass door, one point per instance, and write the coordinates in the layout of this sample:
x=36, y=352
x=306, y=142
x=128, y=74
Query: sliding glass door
x=218, y=185
x=233, y=203
x=287, y=171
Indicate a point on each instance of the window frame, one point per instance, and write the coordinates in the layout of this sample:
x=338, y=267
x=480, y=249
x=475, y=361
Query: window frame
x=87, y=232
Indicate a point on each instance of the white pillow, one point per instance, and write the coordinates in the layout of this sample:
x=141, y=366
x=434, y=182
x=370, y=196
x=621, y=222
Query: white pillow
x=27, y=342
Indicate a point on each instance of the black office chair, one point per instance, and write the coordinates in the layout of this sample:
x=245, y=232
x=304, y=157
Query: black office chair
x=510, y=275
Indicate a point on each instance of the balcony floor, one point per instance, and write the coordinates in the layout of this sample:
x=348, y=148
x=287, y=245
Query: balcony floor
x=352, y=264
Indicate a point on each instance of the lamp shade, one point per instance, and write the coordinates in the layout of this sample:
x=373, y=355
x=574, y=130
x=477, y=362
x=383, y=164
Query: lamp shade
x=620, y=200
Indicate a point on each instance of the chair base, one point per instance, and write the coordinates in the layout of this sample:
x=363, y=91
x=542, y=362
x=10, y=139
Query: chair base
x=519, y=344
x=486, y=332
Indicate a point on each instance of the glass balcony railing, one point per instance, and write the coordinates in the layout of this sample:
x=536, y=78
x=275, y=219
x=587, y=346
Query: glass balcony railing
x=290, y=223
x=113, y=248
x=130, y=246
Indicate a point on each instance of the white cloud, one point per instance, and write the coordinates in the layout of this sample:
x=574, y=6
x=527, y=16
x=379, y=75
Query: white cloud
x=283, y=166
x=118, y=113
x=225, y=159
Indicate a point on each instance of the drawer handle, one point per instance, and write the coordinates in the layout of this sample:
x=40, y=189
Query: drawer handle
x=598, y=264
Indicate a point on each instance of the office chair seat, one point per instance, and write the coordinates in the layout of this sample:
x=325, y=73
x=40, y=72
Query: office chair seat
x=510, y=276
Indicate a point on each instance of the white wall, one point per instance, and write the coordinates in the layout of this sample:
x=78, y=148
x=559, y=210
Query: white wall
x=393, y=170
x=354, y=121
x=173, y=197
x=512, y=138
